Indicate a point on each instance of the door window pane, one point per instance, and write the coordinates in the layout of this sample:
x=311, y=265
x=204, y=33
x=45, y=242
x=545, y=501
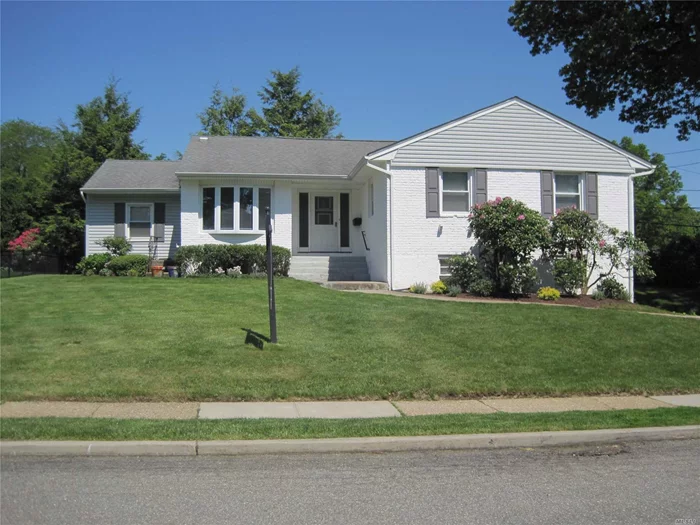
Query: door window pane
x=264, y=201
x=323, y=214
x=227, y=208
x=246, y=208
x=208, y=208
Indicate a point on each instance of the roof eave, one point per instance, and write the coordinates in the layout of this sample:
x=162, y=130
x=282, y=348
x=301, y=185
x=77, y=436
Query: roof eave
x=203, y=174
x=130, y=190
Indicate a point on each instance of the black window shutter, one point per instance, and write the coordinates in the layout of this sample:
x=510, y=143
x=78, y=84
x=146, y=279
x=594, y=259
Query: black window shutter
x=432, y=193
x=592, y=194
x=303, y=220
x=159, y=221
x=547, y=192
x=344, y=220
x=120, y=219
x=481, y=190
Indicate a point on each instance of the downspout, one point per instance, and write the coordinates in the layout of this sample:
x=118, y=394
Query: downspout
x=630, y=219
x=391, y=221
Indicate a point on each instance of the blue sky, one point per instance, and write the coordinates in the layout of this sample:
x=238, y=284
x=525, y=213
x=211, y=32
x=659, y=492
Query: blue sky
x=390, y=69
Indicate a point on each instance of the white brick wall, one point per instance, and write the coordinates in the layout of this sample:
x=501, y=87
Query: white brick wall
x=419, y=240
x=191, y=231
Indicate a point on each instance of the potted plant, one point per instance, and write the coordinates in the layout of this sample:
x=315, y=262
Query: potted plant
x=171, y=267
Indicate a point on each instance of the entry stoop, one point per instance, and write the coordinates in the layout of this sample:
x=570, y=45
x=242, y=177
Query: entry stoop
x=325, y=268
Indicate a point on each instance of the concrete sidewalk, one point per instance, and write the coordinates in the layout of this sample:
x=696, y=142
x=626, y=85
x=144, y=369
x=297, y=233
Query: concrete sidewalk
x=335, y=409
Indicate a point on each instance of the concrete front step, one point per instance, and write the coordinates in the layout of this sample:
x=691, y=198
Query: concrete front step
x=323, y=268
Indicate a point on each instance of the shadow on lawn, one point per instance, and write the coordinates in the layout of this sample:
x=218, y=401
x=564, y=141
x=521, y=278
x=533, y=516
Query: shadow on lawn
x=672, y=299
x=255, y=339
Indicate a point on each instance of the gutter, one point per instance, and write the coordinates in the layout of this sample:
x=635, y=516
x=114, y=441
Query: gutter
x=630, y=219
x=391, y=220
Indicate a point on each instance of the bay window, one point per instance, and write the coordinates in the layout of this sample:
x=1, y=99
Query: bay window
x=234, y=208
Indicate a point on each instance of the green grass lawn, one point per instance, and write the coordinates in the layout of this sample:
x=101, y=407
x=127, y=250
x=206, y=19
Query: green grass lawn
x=49, y=428
x=79, y=338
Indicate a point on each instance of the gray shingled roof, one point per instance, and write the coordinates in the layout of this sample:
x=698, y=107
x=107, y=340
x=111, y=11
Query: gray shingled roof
x=275, y=156
x=134, y=175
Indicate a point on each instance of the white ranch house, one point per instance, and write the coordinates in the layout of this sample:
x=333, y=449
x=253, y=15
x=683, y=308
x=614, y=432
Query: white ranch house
x=363, y=210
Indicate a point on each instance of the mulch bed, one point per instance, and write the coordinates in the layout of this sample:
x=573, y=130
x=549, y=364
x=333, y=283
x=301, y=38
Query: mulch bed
x=584, y=301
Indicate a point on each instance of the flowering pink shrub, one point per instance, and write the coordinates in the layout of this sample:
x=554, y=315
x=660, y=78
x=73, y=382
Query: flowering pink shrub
x=26, y=240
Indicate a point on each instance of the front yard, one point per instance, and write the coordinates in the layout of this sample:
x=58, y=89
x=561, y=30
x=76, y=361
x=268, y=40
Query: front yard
x=92, y=338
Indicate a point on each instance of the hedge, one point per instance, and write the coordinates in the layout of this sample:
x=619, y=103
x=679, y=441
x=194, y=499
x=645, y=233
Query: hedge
x=250, y=257
x=122, y=264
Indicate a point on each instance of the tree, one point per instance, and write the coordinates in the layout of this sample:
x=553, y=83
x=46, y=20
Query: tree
x=589, y=248
x=661, y=213
x=286, y=112
x=103, y=129
x=644, y=55
x=225, y=114
x=25, y=175
x=508, y=233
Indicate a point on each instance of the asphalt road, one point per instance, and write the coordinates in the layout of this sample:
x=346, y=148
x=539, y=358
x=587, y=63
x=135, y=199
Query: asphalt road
x=637, y=483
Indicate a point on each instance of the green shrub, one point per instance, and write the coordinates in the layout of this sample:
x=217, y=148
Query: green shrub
x=93, y=263
x=123, y=264
x=106, y=272
x=613, y=289
x=464, y=270
x=89, y=273
x=598, y=295
x=438, y=287
x=115, y=245
x=419, y=288
x=482, y=287
x=133, y=272
x=453, y=290
x=251, y=258
x=508, y=233
x=547, y=293
x=569, y=273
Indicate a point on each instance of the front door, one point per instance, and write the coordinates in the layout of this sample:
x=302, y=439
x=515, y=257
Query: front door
x=324, y=222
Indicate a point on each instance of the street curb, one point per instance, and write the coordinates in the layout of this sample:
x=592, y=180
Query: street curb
x=334, y=445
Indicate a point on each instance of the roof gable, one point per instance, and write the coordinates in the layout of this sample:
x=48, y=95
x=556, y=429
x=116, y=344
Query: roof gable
x=511, y=134
x=137, y=175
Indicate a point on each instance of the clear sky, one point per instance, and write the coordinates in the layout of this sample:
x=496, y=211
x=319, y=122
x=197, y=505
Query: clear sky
x=390, y=69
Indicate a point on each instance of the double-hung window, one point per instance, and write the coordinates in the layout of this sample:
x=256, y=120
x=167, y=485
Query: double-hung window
x=235, y=208
x=567, y=191
x=455, y=194
x=140, y=220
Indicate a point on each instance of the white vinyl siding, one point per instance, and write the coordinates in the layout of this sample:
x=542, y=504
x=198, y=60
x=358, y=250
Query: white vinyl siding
x=513, y=137
x=99, y=221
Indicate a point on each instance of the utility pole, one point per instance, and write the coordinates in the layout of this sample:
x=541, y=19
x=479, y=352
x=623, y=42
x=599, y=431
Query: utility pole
x=270, y=278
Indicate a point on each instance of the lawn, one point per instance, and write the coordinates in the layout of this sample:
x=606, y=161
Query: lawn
x=52, y=428
x=94, y=338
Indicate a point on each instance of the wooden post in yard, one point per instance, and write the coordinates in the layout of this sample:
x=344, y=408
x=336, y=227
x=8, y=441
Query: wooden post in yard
x=270, y=278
